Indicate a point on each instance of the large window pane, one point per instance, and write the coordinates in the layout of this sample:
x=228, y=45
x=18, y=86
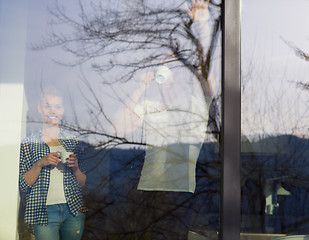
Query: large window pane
x=138, y=85
x=274, y=119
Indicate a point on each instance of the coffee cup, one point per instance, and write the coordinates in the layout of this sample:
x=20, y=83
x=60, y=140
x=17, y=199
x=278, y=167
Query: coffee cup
x=64, y=155
x=163, y=74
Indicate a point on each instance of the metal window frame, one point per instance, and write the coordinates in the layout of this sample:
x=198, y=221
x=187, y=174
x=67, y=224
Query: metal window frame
x=231, y=122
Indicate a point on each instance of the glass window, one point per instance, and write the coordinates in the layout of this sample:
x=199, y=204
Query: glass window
x=122, y=118
x=274, y=152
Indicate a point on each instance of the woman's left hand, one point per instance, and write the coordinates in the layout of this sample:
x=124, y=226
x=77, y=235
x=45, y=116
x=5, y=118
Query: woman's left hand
x=199, y=10
x=72, y=162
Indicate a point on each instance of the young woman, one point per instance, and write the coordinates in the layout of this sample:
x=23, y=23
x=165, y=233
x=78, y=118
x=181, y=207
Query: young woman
x=53, y=188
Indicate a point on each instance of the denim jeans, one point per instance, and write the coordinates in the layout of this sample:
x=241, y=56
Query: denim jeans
x=62, y=224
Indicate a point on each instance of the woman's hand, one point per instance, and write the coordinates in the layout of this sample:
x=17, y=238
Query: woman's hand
x=199, y=10
x=146, y=79
x=72, y=162
x=49, y=159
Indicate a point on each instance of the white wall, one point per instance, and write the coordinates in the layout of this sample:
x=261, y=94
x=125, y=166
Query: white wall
x=13, y=19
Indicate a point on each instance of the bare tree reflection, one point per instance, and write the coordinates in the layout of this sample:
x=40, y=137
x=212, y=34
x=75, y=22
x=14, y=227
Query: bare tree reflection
x=302, y=55
x=274, y=171
x=112, y=38
x=119, y=43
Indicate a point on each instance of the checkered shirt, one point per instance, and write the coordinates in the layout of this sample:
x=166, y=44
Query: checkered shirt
x=33, y=149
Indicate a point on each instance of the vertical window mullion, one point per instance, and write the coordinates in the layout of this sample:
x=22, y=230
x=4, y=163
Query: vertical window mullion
x=231, y=193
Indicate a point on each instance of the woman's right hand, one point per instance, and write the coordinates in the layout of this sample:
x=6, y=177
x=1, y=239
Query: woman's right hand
x=49, y=159
x=146, y=79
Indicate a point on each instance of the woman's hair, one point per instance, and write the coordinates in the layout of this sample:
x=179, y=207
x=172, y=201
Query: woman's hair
x=51, y=91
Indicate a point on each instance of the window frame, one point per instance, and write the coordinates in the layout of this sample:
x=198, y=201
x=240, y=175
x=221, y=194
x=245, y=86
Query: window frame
x=231, y=122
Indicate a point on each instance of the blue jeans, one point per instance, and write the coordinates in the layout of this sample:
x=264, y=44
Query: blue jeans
x=62, y=224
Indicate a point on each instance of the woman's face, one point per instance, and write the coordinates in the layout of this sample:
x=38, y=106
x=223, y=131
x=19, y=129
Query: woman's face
x=51, y=109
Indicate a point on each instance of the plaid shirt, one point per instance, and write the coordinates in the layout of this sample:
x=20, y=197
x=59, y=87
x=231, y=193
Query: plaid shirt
x=33, y=149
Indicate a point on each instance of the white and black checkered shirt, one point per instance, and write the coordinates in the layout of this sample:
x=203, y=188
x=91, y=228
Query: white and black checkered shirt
x=33, y=149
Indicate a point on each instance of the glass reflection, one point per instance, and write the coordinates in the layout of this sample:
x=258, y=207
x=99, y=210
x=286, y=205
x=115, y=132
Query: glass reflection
x=274, y=120
x=142, y=92
x=174, y=116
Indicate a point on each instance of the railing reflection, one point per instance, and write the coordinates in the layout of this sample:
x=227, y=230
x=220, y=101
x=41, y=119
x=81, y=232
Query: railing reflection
x=274, y=186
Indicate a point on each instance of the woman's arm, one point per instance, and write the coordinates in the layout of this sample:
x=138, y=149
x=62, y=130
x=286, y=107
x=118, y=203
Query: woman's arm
x=72, y=162
x=201, y=21
x=80, y=177
x=126, y=119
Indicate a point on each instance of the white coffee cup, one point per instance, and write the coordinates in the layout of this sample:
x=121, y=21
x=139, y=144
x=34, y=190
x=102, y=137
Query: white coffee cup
x=163, y=74
x=64, y=155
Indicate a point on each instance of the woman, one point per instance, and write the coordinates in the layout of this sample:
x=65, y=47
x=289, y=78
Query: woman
x=172, y=107
x=53, y=189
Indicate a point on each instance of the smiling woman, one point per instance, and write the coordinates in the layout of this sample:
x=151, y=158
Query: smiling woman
x=52, y=187
x=51, y=108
